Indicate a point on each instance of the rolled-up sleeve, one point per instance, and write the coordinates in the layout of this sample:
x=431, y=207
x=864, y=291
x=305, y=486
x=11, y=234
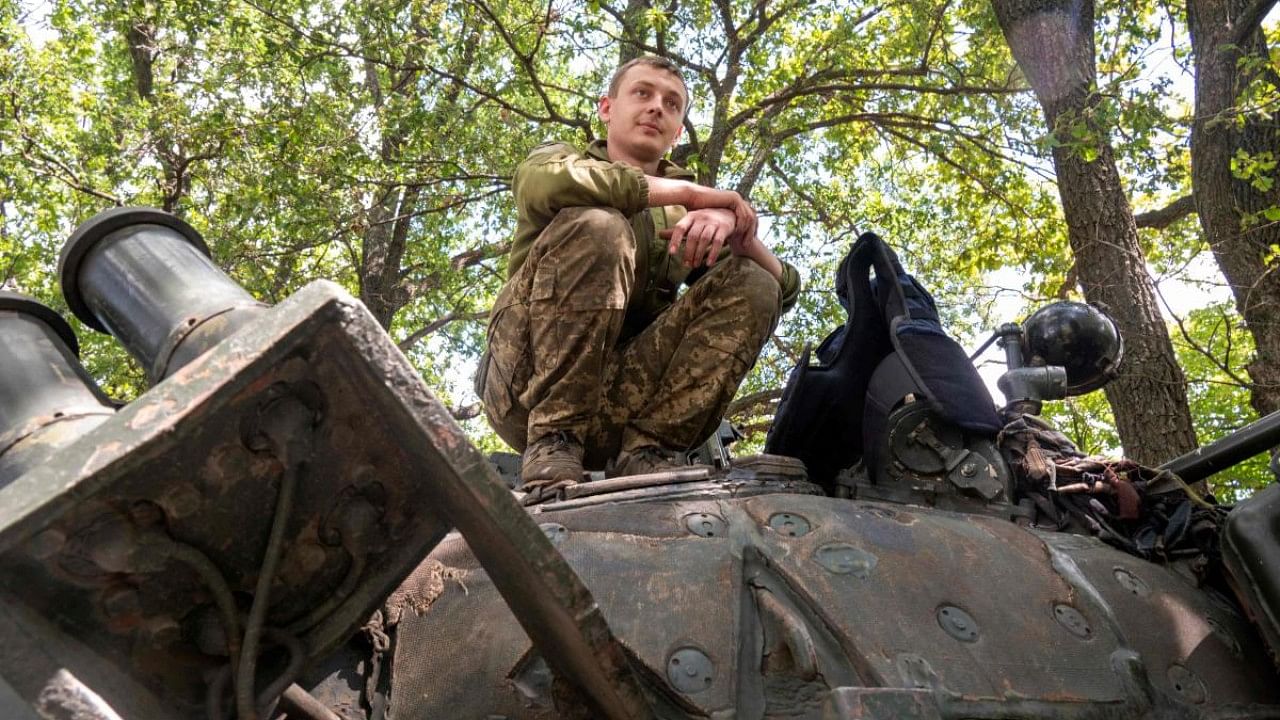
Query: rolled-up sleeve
x=790, y=283
x=555, y=177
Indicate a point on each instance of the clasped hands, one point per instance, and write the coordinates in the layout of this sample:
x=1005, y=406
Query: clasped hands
x=715, y=217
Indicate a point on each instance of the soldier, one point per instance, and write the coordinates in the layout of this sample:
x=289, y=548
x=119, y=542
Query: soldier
x=592, y=359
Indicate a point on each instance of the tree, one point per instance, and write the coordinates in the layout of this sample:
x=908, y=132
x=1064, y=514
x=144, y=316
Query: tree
x=1235, y=143
x=1053, y=43
x=351, y=141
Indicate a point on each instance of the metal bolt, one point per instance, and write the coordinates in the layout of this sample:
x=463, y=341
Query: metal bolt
x=1187, y=684
x=789, y=524
x=120, y=600
x=555, y=532
x=690, y=670
x=968, y=469
x=1131, y=582
x=1225, y=635
x=1071, y=619
x=957, y=623
x=46, y=544
x=705, y=524
x=844, y=559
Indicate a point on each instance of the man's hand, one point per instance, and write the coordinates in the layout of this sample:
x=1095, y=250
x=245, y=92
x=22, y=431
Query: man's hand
x=742, y=239
x=668, y=191
x=744, y=216
x=703, y=232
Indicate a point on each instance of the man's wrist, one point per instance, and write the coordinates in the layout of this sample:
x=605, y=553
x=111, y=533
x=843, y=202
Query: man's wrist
x=764, y=257
x=670, y=191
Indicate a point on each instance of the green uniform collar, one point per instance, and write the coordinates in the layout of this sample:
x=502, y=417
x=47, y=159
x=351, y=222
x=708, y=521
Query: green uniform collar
x=599, y=150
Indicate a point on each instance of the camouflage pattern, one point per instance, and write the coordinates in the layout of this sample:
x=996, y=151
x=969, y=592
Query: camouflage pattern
x=555, y=362
x=557, y=176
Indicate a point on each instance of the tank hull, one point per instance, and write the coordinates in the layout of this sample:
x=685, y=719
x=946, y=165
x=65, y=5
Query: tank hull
x=800, y=606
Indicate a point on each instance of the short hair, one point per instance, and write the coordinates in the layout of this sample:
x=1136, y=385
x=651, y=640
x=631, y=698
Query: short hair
x=652, y=61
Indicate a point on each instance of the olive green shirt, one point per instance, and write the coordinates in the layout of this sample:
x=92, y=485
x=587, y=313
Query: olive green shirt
x=556, y=176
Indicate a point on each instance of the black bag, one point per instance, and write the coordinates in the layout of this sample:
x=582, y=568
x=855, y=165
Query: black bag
x=894, y=335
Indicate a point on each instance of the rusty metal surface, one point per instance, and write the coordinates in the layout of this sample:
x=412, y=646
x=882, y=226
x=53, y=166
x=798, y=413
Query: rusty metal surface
x=33, y=651
x=71, y=531
x=178, y=475
x=1208, y=651
x=812, y=607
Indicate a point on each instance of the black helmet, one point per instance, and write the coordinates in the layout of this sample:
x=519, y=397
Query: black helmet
x=1078, y=337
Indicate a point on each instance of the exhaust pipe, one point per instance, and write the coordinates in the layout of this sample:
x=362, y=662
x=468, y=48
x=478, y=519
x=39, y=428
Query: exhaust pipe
x=47, y=399
x=145, y=276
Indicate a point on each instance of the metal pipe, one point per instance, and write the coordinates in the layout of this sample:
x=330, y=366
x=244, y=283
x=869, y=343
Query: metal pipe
x=47, y=399
x=144, y=276
x=1256, y=437
x=301, y=703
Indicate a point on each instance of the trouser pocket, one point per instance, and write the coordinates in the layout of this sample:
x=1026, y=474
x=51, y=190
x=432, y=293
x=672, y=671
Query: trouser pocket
x=505, y=365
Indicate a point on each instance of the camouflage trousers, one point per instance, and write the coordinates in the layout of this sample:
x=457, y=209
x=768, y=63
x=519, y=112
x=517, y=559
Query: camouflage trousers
x=554, y=361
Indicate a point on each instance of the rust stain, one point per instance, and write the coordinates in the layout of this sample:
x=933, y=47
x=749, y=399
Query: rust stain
x=225, y=466
x=105, y=450
x=152, y=413
x=181, y=500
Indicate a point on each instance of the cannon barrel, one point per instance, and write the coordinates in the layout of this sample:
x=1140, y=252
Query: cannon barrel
x=47, y=400
x=1256, y=437
x=145, y=276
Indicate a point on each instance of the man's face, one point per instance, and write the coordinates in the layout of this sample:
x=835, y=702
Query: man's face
x=645, y=118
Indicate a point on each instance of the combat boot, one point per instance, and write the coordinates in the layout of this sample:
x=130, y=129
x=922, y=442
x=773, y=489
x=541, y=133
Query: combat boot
x=551, y=462
x=646, y=460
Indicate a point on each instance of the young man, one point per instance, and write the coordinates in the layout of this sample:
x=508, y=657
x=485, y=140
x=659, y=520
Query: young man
x=593, y=361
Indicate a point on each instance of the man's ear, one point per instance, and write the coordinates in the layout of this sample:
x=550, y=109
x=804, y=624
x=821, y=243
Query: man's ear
x=676, y=140
x=605, y=108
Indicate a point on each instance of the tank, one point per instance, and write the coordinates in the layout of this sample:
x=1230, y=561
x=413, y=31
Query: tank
x=289, y=524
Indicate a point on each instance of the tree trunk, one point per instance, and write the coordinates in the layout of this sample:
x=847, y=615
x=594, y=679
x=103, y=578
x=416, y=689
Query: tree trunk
x=1052, y=42
x=1222, y=32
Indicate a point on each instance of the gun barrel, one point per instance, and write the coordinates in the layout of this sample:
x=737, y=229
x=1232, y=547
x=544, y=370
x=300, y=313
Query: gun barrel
x=1256, y=437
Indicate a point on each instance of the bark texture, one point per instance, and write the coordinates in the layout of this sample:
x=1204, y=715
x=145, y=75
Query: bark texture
x=1052, y=42
x=1222, y=32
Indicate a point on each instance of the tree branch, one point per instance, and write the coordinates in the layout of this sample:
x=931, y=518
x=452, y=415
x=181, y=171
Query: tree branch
x=1190, y=341
x=747, y=404
x=60, y=171
x=1249, y=20
x=417, y=335
x=1167, y=215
